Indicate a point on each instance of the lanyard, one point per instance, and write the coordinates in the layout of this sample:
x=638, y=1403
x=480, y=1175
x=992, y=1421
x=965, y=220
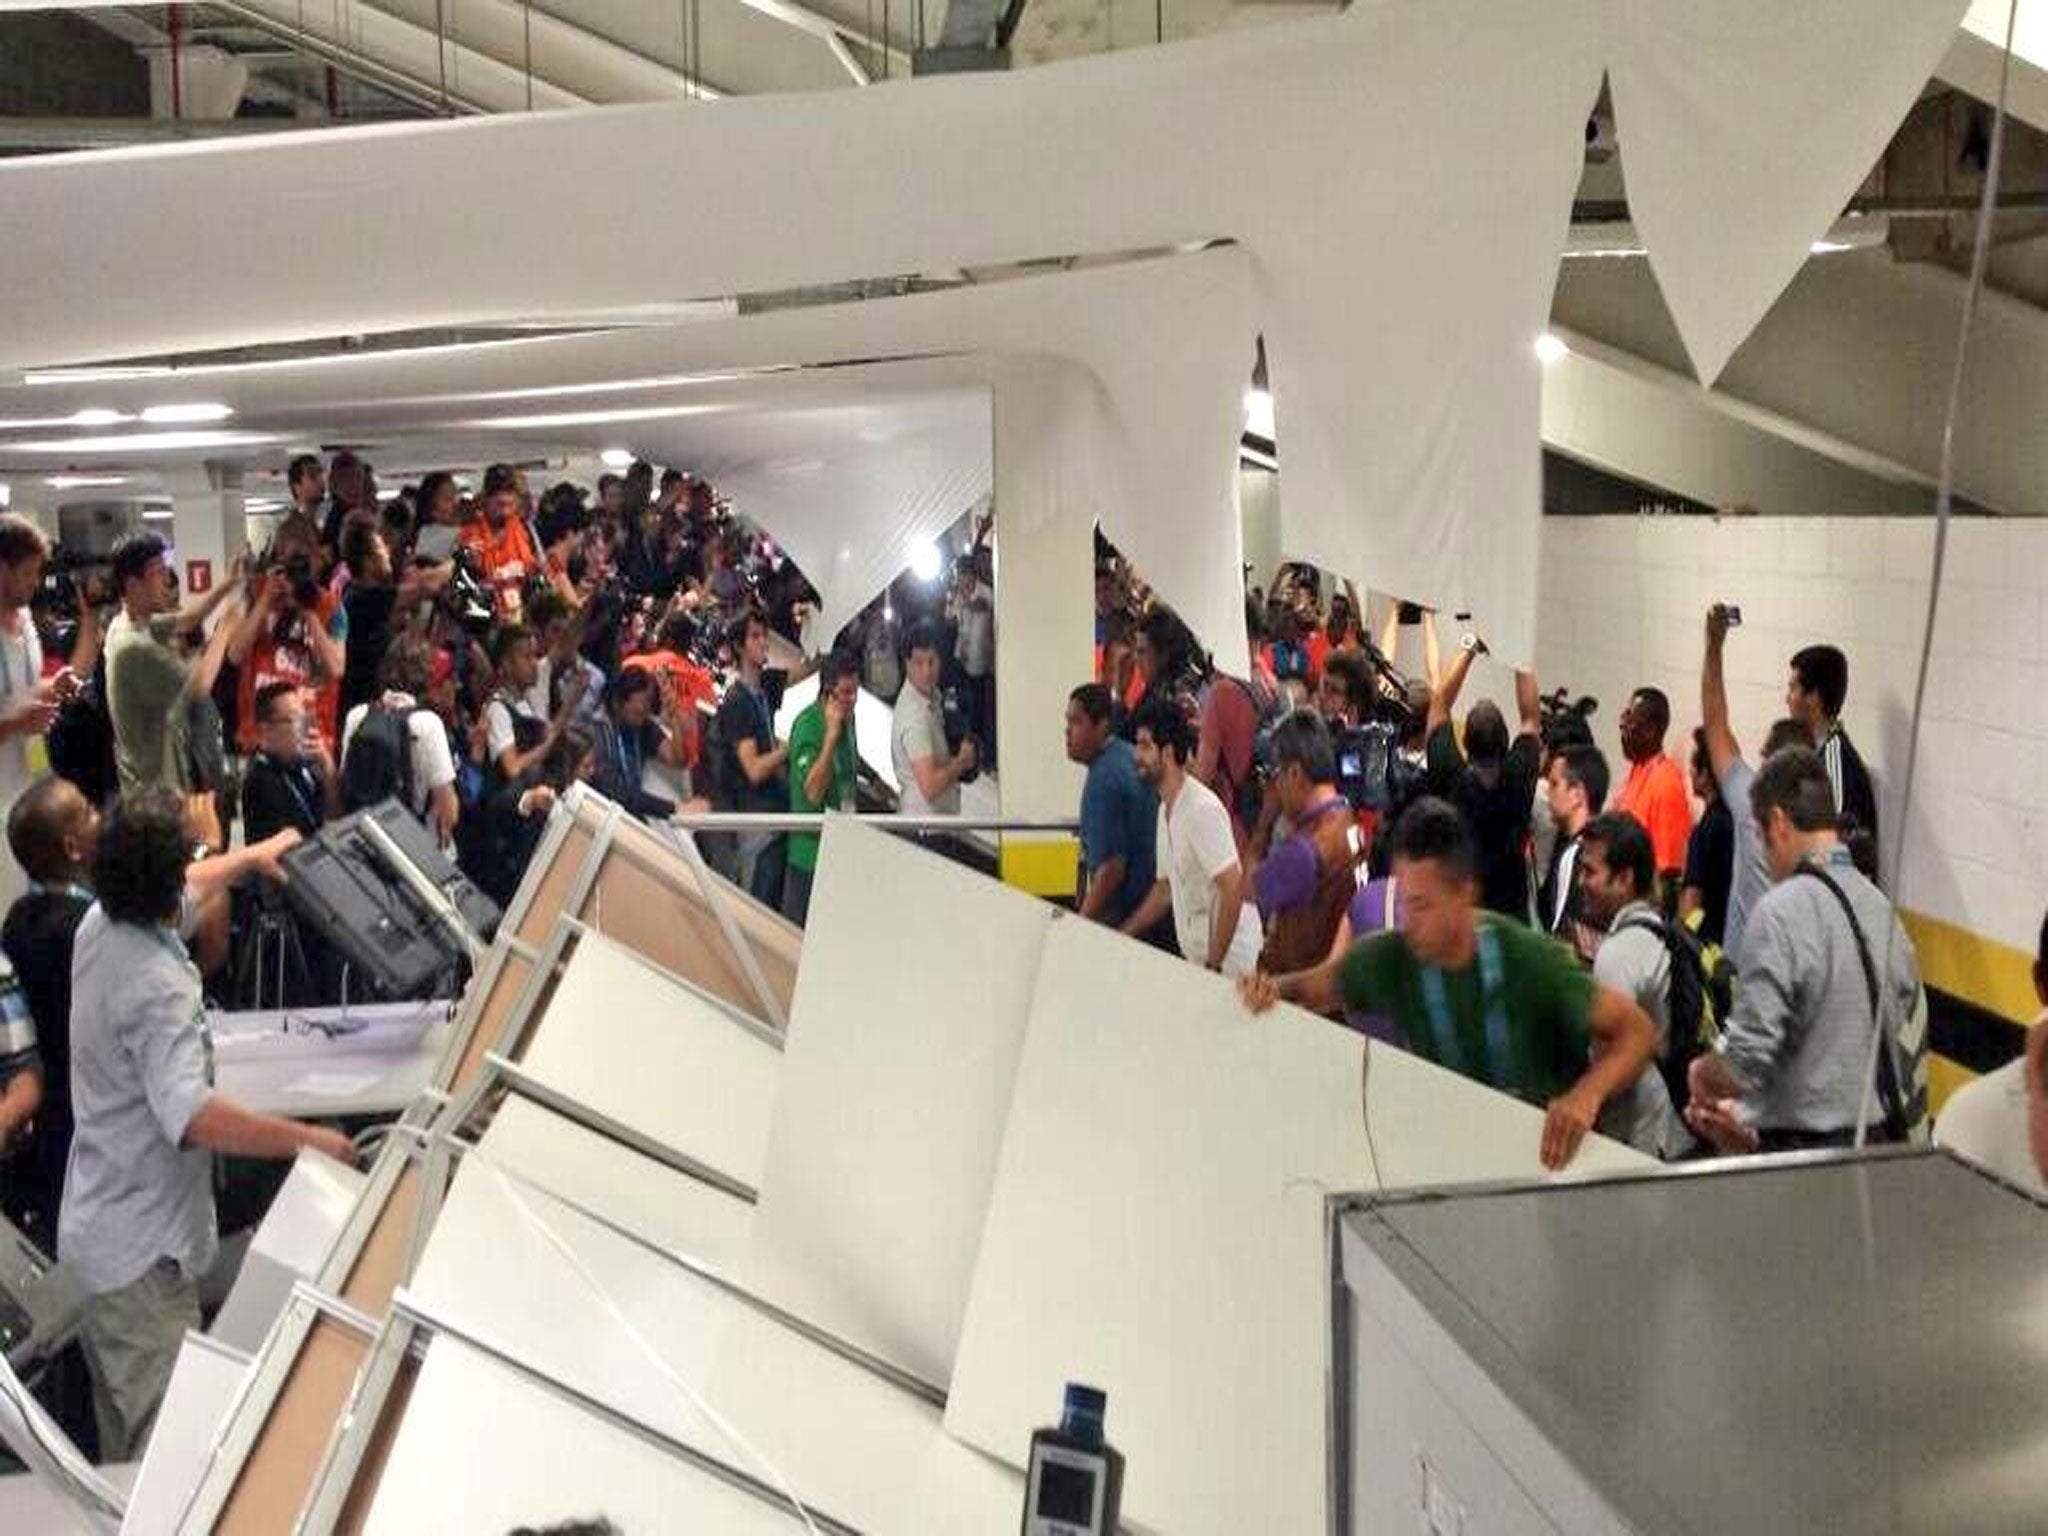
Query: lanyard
x=629, y=762
x=68, y=888
x=1436, y=1003
x=171, y=942
x=289, y=773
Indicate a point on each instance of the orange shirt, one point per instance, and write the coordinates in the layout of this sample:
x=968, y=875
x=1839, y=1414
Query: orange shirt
x=1655, y=795
x=508, y=558
x=282, y=654
x=692, y=684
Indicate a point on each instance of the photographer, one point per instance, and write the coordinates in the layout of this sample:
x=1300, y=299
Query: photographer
x=149, y=685
x=928, y=773
x=295, y=632
x=376, y=594
x=1492, y=781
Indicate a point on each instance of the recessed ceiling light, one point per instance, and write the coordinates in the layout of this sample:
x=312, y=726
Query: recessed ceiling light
x=169, y=415
x=617, y=458
x=80, y=482
x=143, y=442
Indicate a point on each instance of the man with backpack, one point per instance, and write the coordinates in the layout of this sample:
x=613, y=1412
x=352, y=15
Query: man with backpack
x=396, y=746
x=1829, y=1026
x=1648, y=961
x=1237, y=715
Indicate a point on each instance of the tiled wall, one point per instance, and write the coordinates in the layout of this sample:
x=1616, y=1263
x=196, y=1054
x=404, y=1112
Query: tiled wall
x=1624, y=601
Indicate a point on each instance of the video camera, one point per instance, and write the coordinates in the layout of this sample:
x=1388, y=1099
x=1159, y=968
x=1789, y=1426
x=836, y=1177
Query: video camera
x=468, y=598
x=1566, y=722
x=58, y=596
x=959, y=726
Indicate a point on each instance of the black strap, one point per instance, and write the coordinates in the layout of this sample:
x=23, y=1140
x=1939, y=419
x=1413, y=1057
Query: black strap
x=1887, y=1072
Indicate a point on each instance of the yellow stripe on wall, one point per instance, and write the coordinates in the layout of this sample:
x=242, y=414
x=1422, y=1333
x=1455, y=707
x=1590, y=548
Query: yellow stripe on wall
x=1994, y=976
x=1042, y=866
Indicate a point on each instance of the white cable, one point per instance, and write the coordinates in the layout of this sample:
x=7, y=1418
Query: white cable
x=668, y=1372
x=1944, y=496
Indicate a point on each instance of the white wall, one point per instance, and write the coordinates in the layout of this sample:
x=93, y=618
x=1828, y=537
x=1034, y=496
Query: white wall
x=1623, y=602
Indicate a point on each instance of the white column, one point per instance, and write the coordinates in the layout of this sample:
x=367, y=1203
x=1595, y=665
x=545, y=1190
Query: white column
x=209, y=526
x=1047, y=495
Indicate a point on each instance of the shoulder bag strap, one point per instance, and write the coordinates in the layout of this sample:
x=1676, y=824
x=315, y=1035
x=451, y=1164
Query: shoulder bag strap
x=1887, y=1073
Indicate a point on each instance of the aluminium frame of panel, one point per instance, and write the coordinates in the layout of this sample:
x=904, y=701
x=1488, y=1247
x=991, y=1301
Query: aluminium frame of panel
x=336, y=1482
x=260, y=1395
x=1340, y=1388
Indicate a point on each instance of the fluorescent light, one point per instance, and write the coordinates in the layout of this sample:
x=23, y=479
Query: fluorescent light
x=1551, y=349
x=1258, y=413
x=144, y=442
x=390, y=493
x=97, y=417
x=617, y=458
x=170, y=415
x=114, y=375
x=589, y=418
x=263, y=504
x=81, y=482
x=924, y=560
x=6, y=494
x=154, y=515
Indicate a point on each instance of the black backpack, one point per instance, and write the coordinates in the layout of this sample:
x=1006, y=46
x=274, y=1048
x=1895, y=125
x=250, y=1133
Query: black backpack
x=1689, y=1004
x=378, y=763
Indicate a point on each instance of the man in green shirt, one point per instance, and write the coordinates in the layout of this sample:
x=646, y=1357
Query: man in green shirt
x=823, y=763
x=1485, y=996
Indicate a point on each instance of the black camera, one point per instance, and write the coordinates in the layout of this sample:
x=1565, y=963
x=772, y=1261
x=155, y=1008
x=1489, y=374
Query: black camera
x=467, y=597
x=305, y=583
x=1566, y=721
x=959, y=726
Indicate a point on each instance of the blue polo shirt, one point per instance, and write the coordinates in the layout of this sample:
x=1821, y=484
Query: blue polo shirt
x=1119, y=819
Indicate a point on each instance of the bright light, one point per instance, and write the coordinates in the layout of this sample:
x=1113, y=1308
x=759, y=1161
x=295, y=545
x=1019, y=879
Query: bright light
x=97, y=416
x=617, y=458
x=173, y=415
x=390, y=493
x=158, y=515
x=86, y=418
x=144, y=442
x=81, y=482
x=1550, y=349
x=1258, y=413
x=263, y=504
x=6, y=494
x=924, y=560
x=590, y=418
x=94, y=375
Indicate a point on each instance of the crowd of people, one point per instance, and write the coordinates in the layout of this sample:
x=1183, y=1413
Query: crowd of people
x=1491, y=894
x=1693, y=959
x=469, y=656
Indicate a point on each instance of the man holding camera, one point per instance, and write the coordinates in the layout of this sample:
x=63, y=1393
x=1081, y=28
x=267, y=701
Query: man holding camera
x=149, y=685
x=28, y=702
x=504, y=548
x=295, y=632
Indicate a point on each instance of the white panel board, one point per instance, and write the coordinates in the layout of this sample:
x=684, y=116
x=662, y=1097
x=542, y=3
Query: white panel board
x=291, y=1244
x=626, y=1040
x=858, y=1447
x=904, y=1032
x=483, y=1449
x=682, y=1214
x=203, y=1386
x=1156, y=1228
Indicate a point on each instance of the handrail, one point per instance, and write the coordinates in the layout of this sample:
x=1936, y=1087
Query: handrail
x=811, y=821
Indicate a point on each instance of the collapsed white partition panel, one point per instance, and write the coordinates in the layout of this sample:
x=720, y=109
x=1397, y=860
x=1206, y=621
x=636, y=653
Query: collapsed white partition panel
x=484, y=1449
x=909, y=1012
x=203, y=1386
x=615, y=1185
x=857, y=1445
x=1157, y=1225
x=658, y=1057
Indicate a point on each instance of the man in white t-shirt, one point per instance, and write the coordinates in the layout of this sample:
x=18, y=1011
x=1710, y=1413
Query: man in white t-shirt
x=2001, y=1119
x=406, y=675
x=27, y=703
x=1200, y=874
x=927, y=775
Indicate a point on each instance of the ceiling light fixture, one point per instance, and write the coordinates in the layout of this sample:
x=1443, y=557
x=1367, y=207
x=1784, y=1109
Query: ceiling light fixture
x=158, y=515
x=617, y=458
x=82, y=482
x=924, y=560
x=172, y=415
x=1258, y=413
x=110, y=375
x=144, y=442
x=587, y=418
x=95, y=417
x=1551, y=349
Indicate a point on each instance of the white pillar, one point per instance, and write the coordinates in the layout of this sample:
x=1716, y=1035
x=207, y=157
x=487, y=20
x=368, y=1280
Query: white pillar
x=1047, y=497
x=209, y=526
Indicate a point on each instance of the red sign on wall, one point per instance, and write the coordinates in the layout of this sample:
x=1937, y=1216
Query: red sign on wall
x=198, y=575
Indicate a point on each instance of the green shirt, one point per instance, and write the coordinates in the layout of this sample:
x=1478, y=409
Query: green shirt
x=1546, y=998
x=806, y=741
x=146, y=700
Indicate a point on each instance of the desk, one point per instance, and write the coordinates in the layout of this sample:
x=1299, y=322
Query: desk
x=281, y=1063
